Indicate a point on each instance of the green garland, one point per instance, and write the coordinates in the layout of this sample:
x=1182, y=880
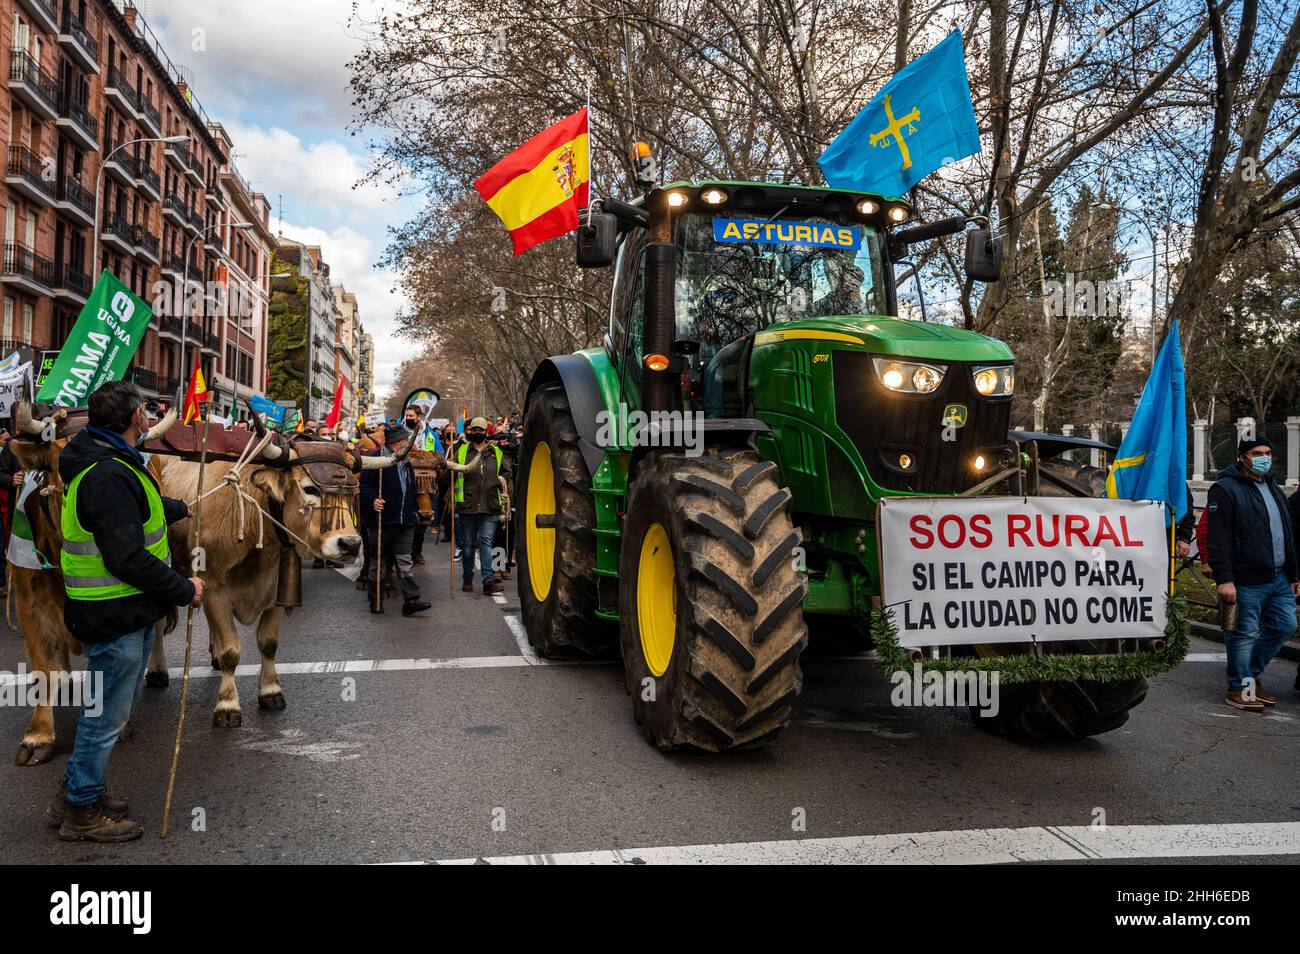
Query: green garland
x=892, y=657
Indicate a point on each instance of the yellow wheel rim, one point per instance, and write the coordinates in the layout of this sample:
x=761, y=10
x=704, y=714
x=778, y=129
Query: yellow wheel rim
x=656, y=599
x=540, y=540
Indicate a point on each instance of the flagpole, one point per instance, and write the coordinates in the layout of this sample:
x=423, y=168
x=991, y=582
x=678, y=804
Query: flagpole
x=590, y=172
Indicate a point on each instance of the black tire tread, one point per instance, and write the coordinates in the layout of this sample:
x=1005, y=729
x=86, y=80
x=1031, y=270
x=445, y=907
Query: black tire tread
x=739, y=634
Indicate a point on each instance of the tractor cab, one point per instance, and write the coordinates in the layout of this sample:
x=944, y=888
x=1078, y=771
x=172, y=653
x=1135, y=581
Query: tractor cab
x=761, y=296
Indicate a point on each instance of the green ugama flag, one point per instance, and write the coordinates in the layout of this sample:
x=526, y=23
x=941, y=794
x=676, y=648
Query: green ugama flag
x=103, y=341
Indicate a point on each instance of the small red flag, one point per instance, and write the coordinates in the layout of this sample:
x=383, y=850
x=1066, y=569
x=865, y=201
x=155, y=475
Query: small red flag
x=332, y=419
x=196, y=394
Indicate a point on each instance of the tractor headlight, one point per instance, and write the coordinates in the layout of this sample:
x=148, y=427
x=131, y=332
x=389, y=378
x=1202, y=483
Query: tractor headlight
x=908, y=377
x=713, y=196
x=997, y=381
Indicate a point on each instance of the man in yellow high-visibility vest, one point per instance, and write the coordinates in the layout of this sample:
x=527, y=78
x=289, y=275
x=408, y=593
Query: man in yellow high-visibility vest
x=118, y=582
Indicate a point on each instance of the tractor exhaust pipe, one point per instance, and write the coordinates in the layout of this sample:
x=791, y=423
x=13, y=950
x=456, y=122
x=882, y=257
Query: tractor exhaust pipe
x=657, y=394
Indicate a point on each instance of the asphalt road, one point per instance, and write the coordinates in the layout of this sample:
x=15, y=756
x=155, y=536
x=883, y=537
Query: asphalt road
x=462, y=747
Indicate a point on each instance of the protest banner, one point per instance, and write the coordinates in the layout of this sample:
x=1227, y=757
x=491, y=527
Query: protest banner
x=14, y=387
x=1014, y=569
x=274, y=412
x=100, y=347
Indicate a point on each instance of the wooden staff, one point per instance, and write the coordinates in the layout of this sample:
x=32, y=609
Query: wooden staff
x=189, y=636
x=451, y=560
x=379, y=540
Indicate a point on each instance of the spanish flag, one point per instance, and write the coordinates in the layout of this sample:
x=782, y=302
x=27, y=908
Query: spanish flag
x=537, y=189
x=196, y=394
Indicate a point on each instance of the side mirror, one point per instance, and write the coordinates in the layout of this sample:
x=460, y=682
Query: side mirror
x=983, y=255
x=597, y=241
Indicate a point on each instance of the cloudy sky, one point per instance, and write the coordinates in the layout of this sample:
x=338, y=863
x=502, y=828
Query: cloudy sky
x=273, y=72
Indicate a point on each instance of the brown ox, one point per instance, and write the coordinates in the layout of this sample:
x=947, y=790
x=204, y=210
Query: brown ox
x=38, y=594
x=309, y=488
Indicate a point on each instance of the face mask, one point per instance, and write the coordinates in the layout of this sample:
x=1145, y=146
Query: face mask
x=409, y=424
x=478, y=438
x=1261, y=465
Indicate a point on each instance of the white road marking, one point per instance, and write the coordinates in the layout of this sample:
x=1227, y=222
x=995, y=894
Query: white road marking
x=499, y=598
x=521, y=640
x=974, y=846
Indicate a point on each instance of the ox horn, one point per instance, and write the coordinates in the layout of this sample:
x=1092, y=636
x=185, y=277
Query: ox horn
x=23, y=419
x=163, y=426
x=464, y=468
x=272, y=450
x=376, y=463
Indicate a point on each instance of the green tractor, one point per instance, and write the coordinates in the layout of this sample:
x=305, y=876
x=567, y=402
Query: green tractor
x=702, y=488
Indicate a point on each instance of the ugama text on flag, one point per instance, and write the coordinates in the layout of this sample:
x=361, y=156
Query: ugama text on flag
x=537, y=190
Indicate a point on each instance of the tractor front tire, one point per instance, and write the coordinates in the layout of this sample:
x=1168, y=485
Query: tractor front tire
x=711, y=626
x=557, y=563
x=1062, y=710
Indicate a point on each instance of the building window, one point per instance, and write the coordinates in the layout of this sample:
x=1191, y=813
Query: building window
x=9, y=319
x=29, y=313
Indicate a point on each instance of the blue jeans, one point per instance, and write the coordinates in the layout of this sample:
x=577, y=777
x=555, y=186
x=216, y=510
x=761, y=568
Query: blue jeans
x=480, y=529
x=1265, y=620
x=121, y=664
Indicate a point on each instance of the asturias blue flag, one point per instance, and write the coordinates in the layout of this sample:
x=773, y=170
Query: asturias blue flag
x=274, y=412
x=1151, y=463
x=920, y=120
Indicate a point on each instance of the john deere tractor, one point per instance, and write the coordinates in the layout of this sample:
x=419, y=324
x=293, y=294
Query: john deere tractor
x=702, y=488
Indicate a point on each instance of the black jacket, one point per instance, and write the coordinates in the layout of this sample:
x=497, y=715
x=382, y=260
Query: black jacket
x=1241, y=544
x=113, y=507
x=8, y=467
x=399, y=501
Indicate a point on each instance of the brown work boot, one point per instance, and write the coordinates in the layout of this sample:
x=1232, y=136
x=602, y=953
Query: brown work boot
x=1264, y=696
x=95, y=823
x=58, y=804
x=492, y=586
x=1237, y=701
x=467, y=586
x=418, y=559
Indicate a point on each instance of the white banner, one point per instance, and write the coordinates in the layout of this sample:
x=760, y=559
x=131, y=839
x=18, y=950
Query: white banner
x=1011, y=569
x=13, y=387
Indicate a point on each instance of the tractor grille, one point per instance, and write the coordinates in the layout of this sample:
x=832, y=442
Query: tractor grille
x=883, y=425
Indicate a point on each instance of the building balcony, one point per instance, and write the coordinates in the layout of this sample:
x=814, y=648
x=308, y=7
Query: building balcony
x=212, y=341
x=143, y=378
x=119, y=164
x=121, y=93
x=71, y=284
x=213, y=241
x=149, y=117
x=196, y=223
x=43, y=12
x=146, y=245
x=24, y=269
x=213, y=196
x=194, y=168
x=78, y=43
x=169, y=327
x=76, y=201
x=174, y=210
x=178, y=153
x=33, y=85
x=148, y=183
x=25, y=174
x=173, y=266
x=170, y=386
x=118, y=234
x=76, y=122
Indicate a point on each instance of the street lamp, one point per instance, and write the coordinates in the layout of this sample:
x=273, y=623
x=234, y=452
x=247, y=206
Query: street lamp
x=185, y=280
x=99, y=180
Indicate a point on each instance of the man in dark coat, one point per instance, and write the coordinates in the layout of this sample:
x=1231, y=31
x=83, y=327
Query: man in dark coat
x=397, y=510
x=118, y=582
x=1256, y=568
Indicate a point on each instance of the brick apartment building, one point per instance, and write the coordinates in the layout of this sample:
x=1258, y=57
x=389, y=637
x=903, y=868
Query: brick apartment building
x=87, y=79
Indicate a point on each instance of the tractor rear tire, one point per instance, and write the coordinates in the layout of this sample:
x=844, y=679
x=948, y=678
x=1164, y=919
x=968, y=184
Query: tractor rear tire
x=557, y=566
x=1062, y=710
x=711, y=626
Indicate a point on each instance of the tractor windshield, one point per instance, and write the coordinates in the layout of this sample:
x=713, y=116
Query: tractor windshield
x=738, y=275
